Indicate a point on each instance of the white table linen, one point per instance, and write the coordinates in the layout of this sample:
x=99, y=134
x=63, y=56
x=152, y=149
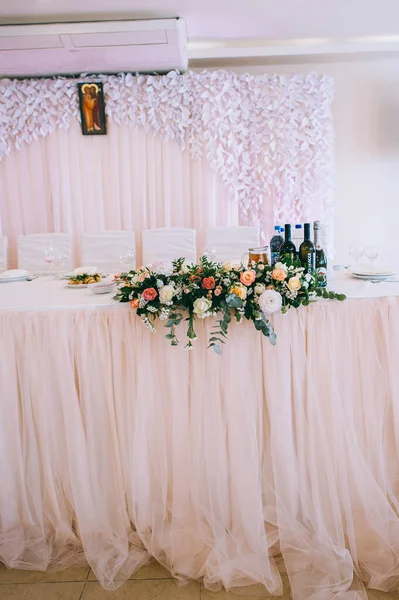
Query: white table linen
x=117, y=447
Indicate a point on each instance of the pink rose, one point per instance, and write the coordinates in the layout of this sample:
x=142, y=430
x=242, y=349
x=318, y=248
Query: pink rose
x=208, y=283
x=150, y=294
x=218, y=290
x=279, y=274
x=247, y=277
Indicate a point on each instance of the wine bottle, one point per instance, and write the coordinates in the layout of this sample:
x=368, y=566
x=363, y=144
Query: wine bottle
x=307, y=250
x=297, y=236
x=321, y=259
x=275, y=245
x=287, y=248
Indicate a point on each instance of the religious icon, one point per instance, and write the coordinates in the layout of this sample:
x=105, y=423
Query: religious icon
x=92, y=108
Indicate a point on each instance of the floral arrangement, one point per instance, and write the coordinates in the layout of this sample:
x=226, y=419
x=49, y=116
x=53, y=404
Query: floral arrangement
x=169, y=291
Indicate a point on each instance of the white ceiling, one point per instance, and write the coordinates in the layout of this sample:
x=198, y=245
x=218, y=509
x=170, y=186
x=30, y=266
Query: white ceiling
x=271, y=19
x=235, y=23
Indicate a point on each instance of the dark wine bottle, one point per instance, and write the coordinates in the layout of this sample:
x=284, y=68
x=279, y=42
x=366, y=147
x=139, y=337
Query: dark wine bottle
x=275, y=245
x=307, y=250
x=288, y=247
x=321, y=259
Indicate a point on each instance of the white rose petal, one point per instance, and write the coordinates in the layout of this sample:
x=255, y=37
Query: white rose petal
x=166, y=294
x=270, y=301
x=201, y=306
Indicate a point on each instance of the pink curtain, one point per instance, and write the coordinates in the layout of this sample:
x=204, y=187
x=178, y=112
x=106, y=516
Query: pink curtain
x=67, y=182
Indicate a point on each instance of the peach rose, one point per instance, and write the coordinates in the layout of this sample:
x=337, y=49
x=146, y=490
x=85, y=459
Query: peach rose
x=134, y=303
x=208, y=283
x=218, y=290
x=150, y=294
x=279, y=274
x=247, y=277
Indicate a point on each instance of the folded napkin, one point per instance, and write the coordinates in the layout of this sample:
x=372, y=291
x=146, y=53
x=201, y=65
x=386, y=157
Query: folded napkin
x=14, y=273
x=88, y=270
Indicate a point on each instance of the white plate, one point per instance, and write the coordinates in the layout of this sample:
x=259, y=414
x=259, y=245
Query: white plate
x=10, y=279
x=373, y=273
x=77, y=285
x=373, y=277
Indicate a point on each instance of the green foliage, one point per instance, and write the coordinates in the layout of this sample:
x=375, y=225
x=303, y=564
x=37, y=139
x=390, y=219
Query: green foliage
x=220, y=292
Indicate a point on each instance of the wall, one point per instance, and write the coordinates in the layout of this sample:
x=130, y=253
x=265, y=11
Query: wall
x=366, y=115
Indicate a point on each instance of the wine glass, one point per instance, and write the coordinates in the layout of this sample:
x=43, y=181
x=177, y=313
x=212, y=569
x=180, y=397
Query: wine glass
x=49, y=257
x=128, y=259
x=371, y=253
x=209, y=253
x=58, y=260
x=356, y=251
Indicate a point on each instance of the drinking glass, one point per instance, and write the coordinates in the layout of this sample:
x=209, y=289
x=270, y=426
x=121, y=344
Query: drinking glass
x=371, y=253
x=356, y=251
x=49, y=257
x=210, y=253
x=127, y=259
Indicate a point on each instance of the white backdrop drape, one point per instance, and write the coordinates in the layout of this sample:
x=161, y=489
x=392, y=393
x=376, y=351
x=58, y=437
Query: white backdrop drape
x=127, y=179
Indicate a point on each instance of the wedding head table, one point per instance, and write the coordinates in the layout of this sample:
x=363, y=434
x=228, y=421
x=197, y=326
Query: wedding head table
x=116, y=447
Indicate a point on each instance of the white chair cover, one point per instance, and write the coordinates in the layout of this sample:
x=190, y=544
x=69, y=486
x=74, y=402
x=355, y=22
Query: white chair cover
x=167, y=244
x=231, y=243
x=3, y=254
x=103, y=249
x=31, y=250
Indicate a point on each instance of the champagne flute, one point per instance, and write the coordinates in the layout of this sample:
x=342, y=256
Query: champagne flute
x=128, y=259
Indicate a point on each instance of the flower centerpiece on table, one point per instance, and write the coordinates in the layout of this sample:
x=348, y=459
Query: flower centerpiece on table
x=173, y=290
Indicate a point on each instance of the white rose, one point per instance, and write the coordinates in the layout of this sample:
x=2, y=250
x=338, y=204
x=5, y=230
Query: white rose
x=228, y=266
x=259, y=288
x=270, y=301
x=184, y=268
x=201, y=306
x=166, y=294
x=280, y=265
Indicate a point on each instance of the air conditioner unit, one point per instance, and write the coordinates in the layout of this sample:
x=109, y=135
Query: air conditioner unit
x=158, y=45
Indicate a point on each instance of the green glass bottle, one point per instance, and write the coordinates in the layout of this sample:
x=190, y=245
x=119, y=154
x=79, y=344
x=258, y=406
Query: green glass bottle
x=288, y=247
x=307, y=250
x=321, y=259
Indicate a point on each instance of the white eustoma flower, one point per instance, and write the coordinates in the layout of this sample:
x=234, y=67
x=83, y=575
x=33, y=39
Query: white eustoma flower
x=201, y=306
x=166, y=294
x=270, y=301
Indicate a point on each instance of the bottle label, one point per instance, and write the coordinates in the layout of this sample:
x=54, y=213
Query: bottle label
x=274, y=257
x=322, y=276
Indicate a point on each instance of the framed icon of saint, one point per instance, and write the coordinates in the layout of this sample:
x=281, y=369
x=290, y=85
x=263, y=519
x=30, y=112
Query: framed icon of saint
x=92, y=108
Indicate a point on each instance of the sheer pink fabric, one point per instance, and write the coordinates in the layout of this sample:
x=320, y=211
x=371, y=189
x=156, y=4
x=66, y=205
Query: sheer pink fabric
x=116, y=447
x=127, y=179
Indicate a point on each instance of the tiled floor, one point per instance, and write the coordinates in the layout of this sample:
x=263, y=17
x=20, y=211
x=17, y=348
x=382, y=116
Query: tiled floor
x=150, y=583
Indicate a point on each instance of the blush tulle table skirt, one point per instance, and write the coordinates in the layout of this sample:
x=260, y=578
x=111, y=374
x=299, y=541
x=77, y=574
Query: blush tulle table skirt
x=116, y=447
